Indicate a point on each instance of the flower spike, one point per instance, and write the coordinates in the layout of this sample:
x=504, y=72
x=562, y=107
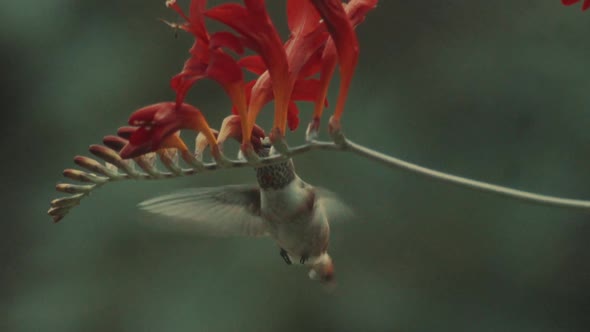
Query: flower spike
x=286, y=74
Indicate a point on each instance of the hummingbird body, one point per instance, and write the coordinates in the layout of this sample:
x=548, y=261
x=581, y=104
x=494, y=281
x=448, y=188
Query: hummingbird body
x=296, y=221
x=292, y=212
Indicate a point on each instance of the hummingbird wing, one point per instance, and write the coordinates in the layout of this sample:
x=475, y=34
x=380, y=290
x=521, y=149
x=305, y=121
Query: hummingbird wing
x=221, y=211
x=334, y=208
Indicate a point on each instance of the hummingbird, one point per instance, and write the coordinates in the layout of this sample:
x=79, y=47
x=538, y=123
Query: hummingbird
x=295, y=214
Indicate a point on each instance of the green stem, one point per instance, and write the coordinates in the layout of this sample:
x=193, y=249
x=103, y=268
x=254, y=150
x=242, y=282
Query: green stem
x=464, y=182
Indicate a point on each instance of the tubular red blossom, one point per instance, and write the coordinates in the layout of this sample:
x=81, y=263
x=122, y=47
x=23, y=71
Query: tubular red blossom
x=141, y=146
x=329, y=60
x=322, y=35
x=302, y=18
x=195, y=23
x=307, y=37
x=355, y=12
x=157, y=127
x=585, y=5
x=232, y=127
x=304, y=90
x=253, y=23
x=293, y=116
x=253, y=64
x=341, y=30
x=340, y=23
x=208, y=59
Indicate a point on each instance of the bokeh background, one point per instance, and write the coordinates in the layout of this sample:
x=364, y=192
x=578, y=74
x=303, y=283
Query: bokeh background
x=492, y=90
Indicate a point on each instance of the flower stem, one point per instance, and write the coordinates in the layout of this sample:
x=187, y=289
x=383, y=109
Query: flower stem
x=464, y=182
x=61, y=206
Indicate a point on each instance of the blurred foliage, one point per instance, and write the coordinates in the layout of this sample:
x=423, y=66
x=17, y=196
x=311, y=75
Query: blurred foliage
x=493, y=90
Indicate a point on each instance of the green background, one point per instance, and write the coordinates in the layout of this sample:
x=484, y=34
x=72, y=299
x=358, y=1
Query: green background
x=492, y=90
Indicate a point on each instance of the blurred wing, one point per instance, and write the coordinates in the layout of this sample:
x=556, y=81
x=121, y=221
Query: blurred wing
x=221, y=211
x=335, y=209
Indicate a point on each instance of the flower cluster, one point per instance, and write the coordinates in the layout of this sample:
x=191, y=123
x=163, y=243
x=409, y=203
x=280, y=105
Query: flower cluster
x=321, y=38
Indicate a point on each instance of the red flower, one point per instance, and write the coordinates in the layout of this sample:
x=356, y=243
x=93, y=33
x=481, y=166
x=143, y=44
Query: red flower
x=208, y=60
x=157, y=127
x=306, y=40
x=355, y=10
x=322, y=35
x=308, y=52
x=585, y=5
x=341, y=28
x=254, y=25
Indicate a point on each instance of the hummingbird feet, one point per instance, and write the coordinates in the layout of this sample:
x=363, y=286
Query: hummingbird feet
x=285, y=256
x=304, y=259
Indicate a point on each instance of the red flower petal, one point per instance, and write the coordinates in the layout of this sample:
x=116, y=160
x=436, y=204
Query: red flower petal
x=293, y=116
x=306, y=39
x=569, y=2
x=157, y=123
x=585, y=5
x=208, y=60
x=302, y=17
x=306, y=90
x=232, y=127
x=248, y=92
x=227, y=40
x=313, y=65
x=193, y=71
x=329, y=60
x=356, y=10
x=253, y=64
x=224, y=69
x=341, y=30
x=254, y=24
x=196, y=10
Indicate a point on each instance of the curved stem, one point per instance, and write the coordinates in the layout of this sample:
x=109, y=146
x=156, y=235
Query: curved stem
x=464, y=182
x=61, y=206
